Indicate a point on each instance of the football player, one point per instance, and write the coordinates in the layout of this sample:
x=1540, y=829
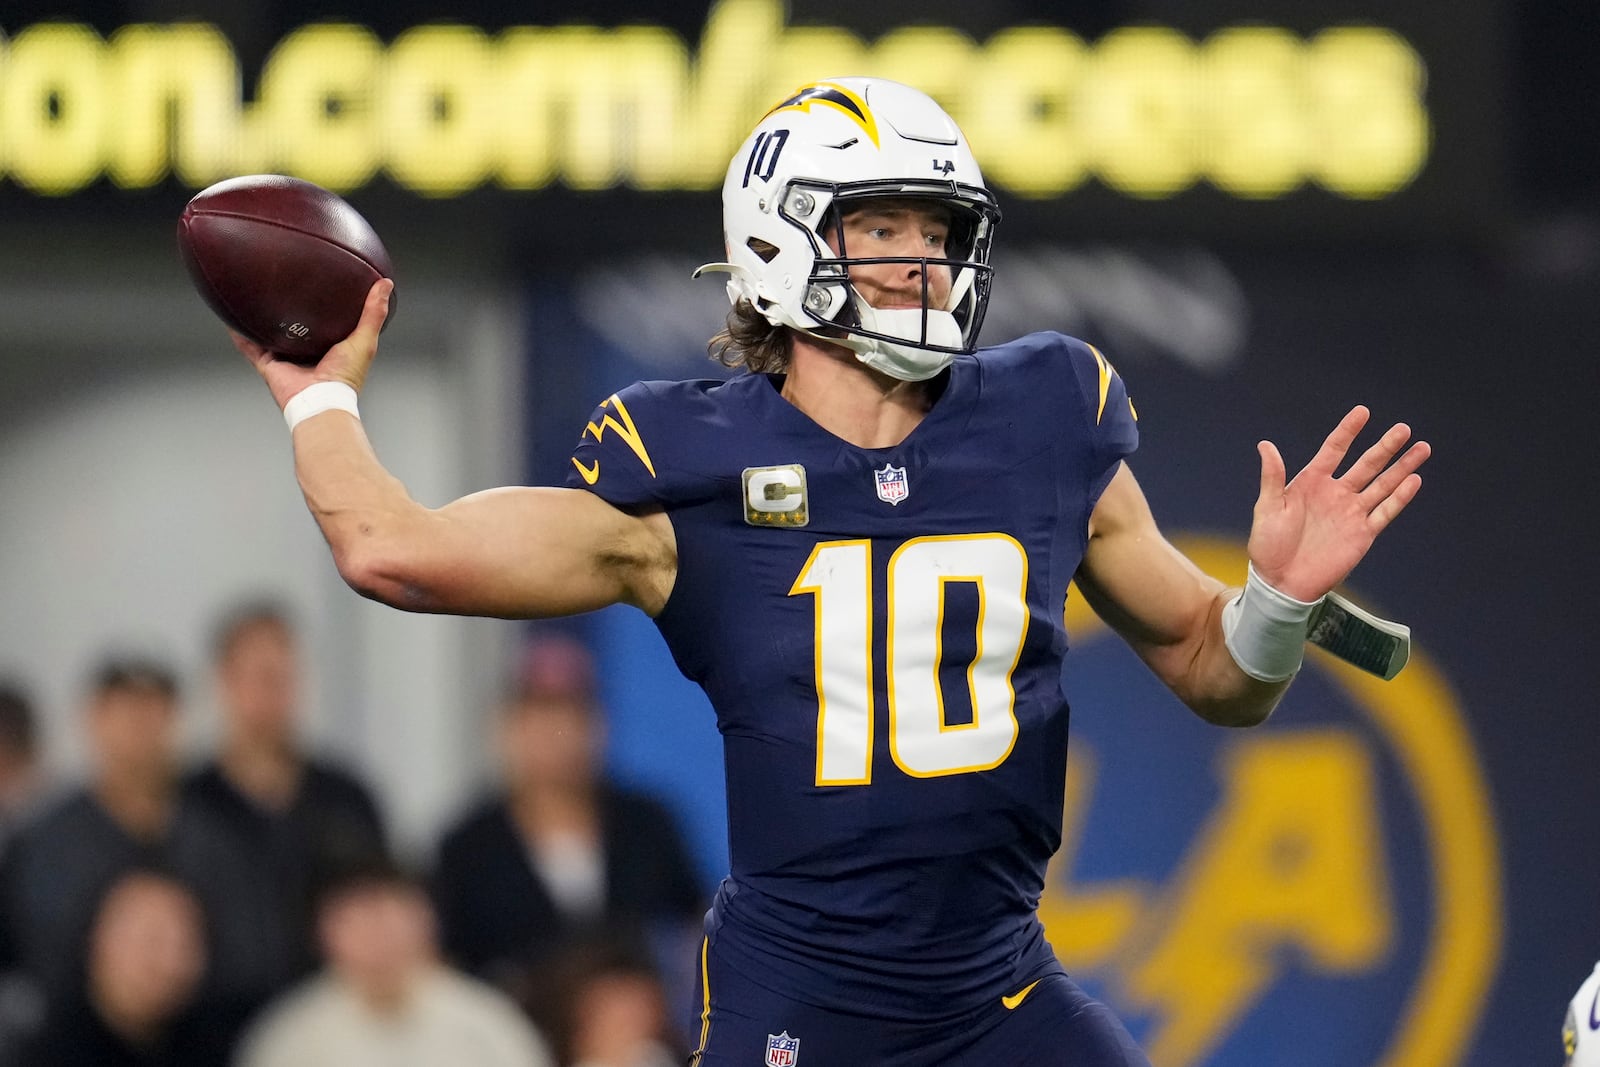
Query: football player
x=1580, y=1034
x=861, y=548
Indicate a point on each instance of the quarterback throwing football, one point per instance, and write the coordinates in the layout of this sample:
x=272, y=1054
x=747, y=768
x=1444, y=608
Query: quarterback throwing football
x=860, y=548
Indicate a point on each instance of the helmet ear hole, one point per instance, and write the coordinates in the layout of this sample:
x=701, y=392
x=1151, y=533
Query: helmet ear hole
x=766, y=250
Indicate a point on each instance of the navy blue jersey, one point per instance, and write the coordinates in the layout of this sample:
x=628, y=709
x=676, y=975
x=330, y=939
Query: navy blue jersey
x=879, y=631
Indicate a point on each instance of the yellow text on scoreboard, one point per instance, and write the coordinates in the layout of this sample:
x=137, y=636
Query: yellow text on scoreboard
x=1255, y=111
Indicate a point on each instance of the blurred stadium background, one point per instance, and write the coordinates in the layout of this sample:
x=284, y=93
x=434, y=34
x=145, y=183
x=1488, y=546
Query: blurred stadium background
x=1263, y=211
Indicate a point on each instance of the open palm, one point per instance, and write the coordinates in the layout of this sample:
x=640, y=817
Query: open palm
x=1307, y=535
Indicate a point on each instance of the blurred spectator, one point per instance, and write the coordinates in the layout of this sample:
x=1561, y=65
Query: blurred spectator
x=20, y=775
x=146, y=952
x=384, y=999
x=21, y=1006
x=60, y=864
x=280, y=822
x=561, y=851
x=603, y=1005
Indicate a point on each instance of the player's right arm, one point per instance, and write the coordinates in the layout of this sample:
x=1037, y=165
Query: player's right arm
x=511, y=552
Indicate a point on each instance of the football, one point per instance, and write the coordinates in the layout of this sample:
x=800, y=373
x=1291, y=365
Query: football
x=282, y=261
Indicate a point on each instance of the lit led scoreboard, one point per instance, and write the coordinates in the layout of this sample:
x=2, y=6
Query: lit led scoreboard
x=1320, y=119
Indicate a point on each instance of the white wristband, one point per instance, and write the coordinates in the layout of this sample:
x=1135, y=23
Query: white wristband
x=316, y=398
x=1265, y=630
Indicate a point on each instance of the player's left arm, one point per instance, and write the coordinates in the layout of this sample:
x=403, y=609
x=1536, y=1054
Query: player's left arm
x=1305, y=537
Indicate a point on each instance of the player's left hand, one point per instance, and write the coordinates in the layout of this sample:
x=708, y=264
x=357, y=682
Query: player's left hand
x=1306, y=536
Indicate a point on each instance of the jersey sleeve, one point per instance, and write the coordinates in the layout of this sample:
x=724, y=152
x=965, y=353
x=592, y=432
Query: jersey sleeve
x=612, y=458
x=1108, y=412
x=644, y=447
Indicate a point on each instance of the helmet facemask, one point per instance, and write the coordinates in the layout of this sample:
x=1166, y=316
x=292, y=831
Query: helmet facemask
x=912, y=344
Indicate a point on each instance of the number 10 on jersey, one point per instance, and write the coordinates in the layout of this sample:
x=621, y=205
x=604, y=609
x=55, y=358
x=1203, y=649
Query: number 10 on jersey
x=839, y=576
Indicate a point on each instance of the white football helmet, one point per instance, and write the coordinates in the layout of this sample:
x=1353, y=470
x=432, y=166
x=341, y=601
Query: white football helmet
x=1581, y=1034
x=826, y=145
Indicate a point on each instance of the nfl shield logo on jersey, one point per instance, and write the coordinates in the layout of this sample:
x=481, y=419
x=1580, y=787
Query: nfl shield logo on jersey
x=782, y=1050
x=892, y=486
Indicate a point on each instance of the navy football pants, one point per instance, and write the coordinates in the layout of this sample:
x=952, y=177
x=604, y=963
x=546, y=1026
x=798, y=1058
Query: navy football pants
x=1055, y=1025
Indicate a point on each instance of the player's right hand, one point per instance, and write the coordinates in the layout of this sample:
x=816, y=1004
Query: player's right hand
x=347, y=361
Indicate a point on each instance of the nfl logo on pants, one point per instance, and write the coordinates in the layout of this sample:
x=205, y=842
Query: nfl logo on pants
x=782, y=1050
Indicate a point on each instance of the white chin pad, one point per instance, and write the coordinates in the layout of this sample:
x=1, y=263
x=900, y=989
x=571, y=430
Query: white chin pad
x=905, y=324
x=913, y=360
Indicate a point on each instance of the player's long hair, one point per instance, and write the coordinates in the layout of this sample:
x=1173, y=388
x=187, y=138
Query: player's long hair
x=750, y=341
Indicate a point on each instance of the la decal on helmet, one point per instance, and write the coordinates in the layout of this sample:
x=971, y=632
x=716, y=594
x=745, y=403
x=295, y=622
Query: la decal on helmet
x=828, y=146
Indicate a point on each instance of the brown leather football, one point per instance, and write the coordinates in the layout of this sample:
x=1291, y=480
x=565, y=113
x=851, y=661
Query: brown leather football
x=282, y=261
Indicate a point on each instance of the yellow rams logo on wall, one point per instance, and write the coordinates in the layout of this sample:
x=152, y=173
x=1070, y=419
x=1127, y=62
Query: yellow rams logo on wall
x=1323, y=891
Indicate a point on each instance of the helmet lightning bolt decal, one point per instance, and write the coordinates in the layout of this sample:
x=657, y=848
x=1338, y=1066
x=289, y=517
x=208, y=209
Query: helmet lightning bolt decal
x=833, y=95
